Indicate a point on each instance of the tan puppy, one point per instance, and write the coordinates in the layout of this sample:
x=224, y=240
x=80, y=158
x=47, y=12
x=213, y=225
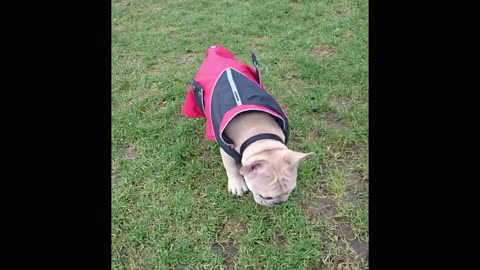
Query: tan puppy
x=269, y=168
x=247, y=123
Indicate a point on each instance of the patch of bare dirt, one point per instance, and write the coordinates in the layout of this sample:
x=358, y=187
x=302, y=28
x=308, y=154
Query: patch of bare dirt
x=128, y=151
x=157, y=70
x=352, y=151
x=341, y=103
x=323, y=207
x=320, y=207
x=353, y=147
x=178, y=116
x=355, y=184
x=187, y=57
x=333, y=122
x=314, y=135
x=280, y=242
x=226, y=244
x=162, y=104
x=291, y=74
x=217, y=248
x=344, y=262
x=330, y=117
x=345, y=157
x=344, y=11
x=233, y=227
x=228, y=251
x=322, y=51
x=344, y=229
x=137, y=258
x=348, y=157
x=359, y=247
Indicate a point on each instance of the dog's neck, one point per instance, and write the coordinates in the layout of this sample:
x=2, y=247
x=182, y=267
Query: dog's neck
x=261, y=146
x=261, y=136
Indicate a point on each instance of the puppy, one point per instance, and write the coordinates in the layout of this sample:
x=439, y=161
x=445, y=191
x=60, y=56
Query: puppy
x=249, y=125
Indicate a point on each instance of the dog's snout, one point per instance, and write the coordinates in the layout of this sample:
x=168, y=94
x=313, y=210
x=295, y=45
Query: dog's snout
x=277, y=203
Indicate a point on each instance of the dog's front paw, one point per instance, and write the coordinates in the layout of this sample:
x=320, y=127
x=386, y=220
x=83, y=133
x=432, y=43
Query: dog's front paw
x=237, y=186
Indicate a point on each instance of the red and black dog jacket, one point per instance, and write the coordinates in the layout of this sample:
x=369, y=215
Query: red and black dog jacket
x=224, y=87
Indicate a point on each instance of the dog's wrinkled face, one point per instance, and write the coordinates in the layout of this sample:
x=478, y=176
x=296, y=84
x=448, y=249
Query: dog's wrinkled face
x=272, y=175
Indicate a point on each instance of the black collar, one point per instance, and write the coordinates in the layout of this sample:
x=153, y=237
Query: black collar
x=258, y=137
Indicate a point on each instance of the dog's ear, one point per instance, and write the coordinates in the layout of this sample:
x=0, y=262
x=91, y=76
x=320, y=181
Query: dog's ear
x=253, y=169
x=293, y=158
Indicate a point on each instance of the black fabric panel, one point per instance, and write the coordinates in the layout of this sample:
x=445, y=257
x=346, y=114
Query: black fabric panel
x=250, y=93
x=258, y=96
x=223, y=101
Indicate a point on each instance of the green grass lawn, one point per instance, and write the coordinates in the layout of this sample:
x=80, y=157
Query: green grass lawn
x=170, y=204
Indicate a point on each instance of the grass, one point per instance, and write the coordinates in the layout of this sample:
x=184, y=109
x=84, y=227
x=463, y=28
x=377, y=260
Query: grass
x=170, y=205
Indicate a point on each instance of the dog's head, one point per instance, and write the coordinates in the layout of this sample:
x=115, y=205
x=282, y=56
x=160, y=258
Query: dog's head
x=272, y=175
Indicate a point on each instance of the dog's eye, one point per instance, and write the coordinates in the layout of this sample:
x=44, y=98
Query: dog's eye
x=265, y=198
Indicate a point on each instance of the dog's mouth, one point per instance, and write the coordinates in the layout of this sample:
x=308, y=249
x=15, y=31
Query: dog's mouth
x=268, y=203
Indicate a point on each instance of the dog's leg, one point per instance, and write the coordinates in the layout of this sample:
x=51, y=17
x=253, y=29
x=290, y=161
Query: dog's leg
x=236, y=183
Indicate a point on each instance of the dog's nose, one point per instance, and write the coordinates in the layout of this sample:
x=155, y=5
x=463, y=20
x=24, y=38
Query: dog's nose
x=277, y=203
